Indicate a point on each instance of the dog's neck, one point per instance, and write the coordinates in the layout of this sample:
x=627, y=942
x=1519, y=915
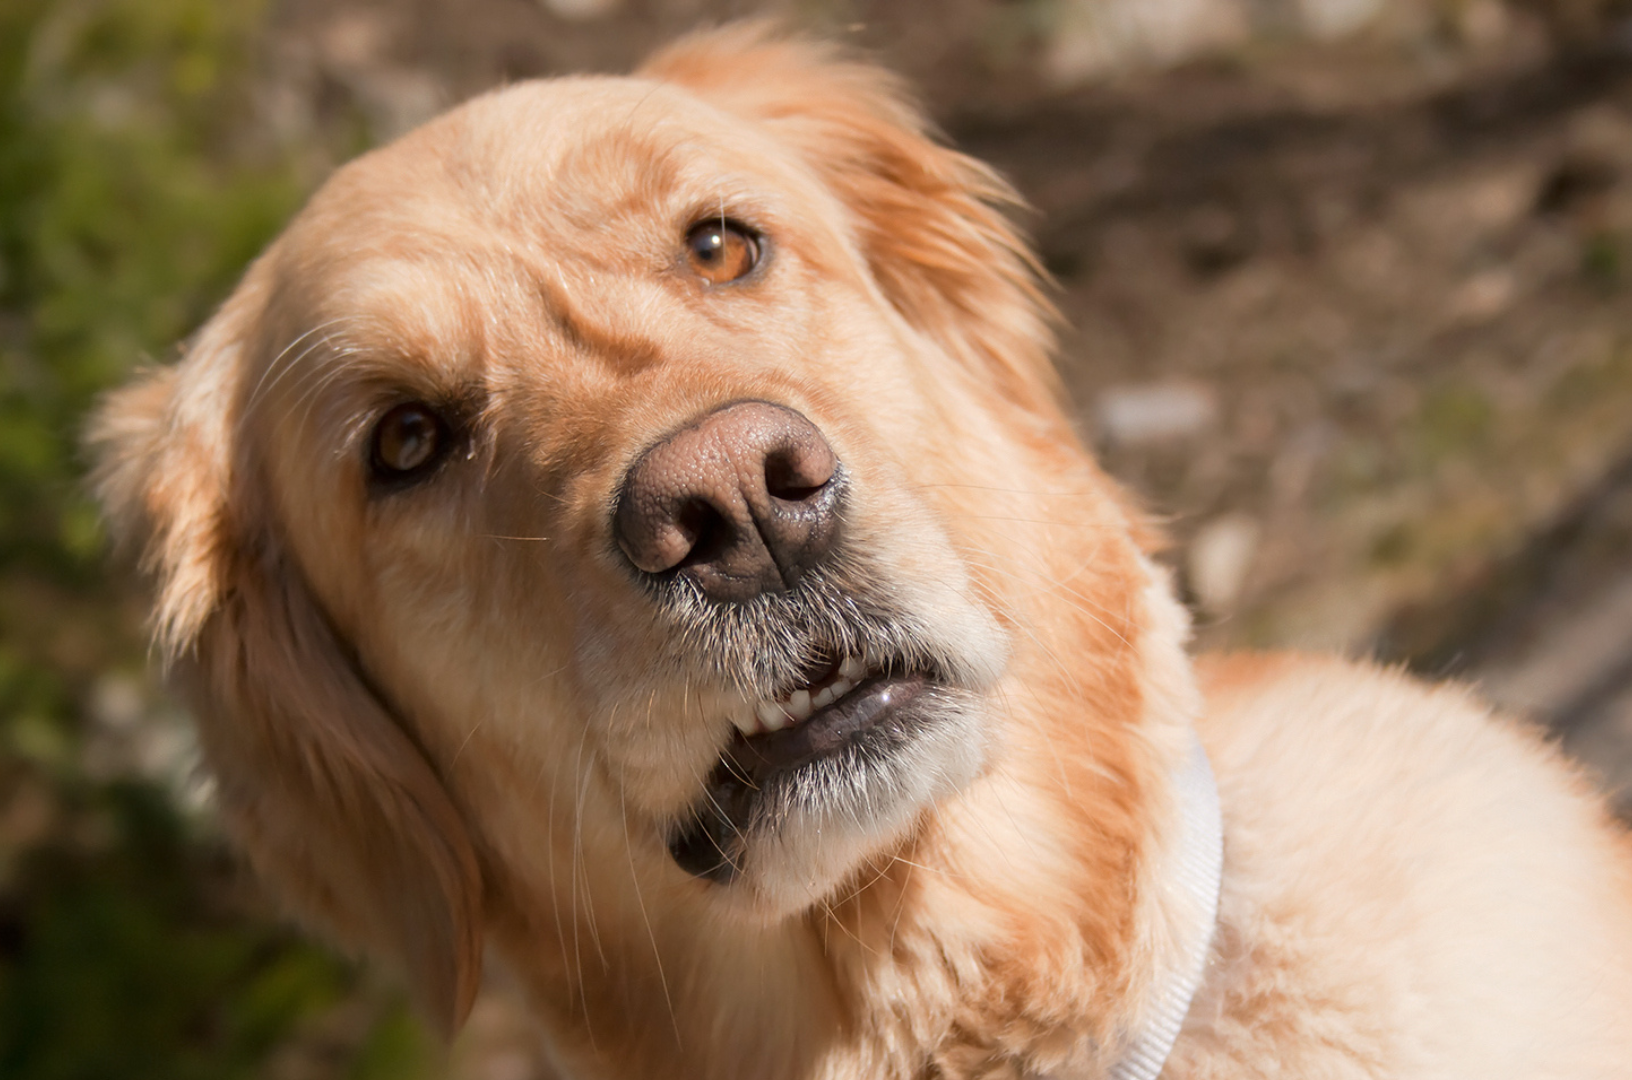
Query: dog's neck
x=1027, y=921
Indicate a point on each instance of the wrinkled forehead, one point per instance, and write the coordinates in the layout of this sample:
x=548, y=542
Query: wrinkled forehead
x=528, y=201
x=576, y=155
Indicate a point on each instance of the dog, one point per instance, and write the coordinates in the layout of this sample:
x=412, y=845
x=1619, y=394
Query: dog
x=631, y=526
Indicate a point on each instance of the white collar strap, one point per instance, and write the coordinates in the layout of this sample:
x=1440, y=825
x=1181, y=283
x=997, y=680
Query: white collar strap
x=1194, y=877
x=1197, y=875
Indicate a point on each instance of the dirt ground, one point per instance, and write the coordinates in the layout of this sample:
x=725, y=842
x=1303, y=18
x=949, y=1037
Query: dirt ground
x=1354, y=318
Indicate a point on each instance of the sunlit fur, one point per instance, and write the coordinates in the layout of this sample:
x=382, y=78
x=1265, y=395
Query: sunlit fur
x=449, y=718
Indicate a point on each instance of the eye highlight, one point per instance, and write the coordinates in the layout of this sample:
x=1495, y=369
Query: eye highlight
x=720, y=251
x=407, y=441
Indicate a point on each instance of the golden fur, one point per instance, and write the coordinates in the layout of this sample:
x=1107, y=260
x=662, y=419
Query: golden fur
x=446, y=720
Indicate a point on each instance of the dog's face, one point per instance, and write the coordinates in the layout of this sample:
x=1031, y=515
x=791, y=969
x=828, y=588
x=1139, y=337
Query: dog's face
x=572, y=430
x=591, y=472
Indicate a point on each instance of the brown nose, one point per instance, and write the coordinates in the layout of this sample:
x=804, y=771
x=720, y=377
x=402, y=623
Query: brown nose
x=744, y=501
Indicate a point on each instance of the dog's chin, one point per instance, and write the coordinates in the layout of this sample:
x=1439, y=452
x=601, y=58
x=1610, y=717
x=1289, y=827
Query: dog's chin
x=788, y=816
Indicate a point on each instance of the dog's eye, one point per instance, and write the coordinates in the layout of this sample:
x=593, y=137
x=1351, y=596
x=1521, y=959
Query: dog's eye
x=721, y=251
x=408, y=440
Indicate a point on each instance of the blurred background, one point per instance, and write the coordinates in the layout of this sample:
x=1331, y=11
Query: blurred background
x=1348, y=286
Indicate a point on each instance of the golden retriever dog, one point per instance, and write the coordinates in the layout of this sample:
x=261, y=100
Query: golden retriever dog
x=630, y=526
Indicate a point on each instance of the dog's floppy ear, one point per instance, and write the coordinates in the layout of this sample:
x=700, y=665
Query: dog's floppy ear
x=930, y=221
x=332, y=798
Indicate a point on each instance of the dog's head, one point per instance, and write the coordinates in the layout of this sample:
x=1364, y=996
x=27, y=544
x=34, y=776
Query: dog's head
x=614, y=476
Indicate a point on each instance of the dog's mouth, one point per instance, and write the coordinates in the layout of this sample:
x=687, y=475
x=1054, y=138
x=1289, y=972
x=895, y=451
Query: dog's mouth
x=812, y=699
x=843, y=712
x=818, y=746
x=816, y=728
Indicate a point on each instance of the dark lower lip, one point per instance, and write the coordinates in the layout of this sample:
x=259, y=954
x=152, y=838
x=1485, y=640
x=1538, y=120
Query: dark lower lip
x=710, y=844
x=828, y=731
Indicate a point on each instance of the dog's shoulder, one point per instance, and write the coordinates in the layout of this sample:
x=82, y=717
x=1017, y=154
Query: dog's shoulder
x=1359, y=715
x=1380, y=828
x=1375, y=748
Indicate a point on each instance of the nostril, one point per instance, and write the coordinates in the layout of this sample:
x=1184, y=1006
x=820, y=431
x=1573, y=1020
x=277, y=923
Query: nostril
x=793, y=473
x=705, y=530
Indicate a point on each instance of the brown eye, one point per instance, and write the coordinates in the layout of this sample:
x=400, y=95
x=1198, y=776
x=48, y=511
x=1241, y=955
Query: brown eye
x=407, y=440
x=721, y=251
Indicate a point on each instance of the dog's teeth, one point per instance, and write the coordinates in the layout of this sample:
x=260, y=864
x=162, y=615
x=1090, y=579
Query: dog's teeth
x=743, y=716
x=799, y=705
x=772, y=716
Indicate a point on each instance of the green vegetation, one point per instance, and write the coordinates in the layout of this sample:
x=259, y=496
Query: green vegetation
x=136, y=181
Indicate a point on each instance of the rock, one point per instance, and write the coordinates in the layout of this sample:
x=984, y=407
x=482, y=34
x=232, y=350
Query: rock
x=1328, y=19
x=117, y=702
x=1482, y=297
x=580, y=10
x=1096, y=37
x=1149, y=414
x=1220, y=556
